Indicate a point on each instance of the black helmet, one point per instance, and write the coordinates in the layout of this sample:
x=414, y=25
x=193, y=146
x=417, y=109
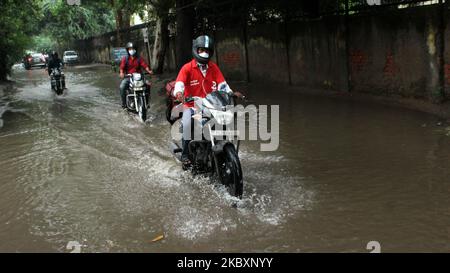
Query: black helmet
x=130, y=45
x=203, y=41
x=54, y=54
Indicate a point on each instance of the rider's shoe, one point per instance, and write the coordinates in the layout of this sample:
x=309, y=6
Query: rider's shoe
x=186, y=162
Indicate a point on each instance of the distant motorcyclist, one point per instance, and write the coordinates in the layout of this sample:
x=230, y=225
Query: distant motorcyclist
x=130, y=64
x=54, y=62
x=198, y=78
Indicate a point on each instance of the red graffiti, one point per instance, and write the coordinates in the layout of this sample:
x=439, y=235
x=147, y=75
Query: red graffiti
x=232, y=58
x=447, y=74
x=358, y=60
x=390, y=68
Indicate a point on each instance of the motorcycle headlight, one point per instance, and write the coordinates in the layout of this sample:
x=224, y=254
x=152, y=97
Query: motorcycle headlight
x=222, y=117
x=137, y=77
x=138, y=83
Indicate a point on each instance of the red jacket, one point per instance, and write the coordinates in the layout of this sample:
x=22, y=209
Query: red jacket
x=197, y=85
x=134, y=66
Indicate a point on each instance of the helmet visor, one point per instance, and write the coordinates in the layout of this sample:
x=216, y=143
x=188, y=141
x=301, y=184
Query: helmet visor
x=203, y=50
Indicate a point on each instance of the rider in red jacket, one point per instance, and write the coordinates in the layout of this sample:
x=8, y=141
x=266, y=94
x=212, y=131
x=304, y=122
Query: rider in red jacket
x=198, y=78
x=129, y=65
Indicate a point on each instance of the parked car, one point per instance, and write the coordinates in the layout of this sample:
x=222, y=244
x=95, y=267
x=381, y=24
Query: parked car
x=70, y=57
x=34, y=60
x=117, y=55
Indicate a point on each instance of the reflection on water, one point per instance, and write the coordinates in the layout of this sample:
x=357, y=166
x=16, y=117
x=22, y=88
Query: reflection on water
x=77, y=168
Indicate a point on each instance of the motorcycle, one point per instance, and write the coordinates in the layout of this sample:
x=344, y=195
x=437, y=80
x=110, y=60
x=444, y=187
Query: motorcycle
x=138, y=95
x=57, y=80
x=215, y=154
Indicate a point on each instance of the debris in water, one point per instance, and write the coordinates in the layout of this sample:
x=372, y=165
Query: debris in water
x=110, y=243
x=160, y=237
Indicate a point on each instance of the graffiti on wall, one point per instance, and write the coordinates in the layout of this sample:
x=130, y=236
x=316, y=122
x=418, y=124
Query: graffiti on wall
x=231, y=58
x=390, y=68
x=358, y=59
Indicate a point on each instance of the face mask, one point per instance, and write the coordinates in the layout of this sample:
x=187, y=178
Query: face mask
x=204, y=55
x=132, y=52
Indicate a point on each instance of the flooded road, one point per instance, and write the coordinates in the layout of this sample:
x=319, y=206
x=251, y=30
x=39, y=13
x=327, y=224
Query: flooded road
x=78, y=168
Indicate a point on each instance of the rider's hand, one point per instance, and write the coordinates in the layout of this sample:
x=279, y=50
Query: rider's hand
x=238, y=94
x=180, y=97
x=122, y=75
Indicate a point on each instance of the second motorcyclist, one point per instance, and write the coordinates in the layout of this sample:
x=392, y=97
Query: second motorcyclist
x=54, y=62
x=130, y=64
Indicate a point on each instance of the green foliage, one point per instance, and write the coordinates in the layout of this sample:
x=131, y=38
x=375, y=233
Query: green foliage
x=43, y=43
x=66, y=23
x=18, y=21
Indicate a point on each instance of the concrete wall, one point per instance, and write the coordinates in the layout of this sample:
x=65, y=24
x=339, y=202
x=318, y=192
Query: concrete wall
x=318, y=54
x=395, y=53
x=98, y=49
x=390, y=52
x=230, y=53
x=447, y=52
x=267, y=53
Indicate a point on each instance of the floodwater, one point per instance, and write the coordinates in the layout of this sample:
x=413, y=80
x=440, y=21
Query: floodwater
x=76, y=168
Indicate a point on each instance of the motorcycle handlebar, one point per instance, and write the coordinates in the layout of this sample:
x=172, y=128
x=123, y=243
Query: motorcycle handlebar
x=189, y=99
x=130, y=75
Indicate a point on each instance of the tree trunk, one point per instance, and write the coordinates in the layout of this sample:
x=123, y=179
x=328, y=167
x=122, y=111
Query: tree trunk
x=126, y=19
x=118, y=17
x=185, y=31
x=161, y=44
x=119, y=20
x=4, y=66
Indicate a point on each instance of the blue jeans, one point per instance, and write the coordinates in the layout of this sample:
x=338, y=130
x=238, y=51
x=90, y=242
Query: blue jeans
x=187, y=131
x=123, y=90
x=187, y=122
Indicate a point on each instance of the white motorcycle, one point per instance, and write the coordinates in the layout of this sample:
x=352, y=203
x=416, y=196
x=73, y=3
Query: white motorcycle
x=216, y=153
x=138, y=95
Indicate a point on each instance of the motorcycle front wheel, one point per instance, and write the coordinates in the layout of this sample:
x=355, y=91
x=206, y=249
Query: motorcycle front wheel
x=169, y=111
x=58, y=88
x=142, y=109
x=230, y=171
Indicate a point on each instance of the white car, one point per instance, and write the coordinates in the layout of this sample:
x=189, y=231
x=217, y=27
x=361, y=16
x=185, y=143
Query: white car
x=70, y=57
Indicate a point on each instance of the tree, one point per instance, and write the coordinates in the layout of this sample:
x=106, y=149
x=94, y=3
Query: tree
x=43, y=43
x=123, y=9
x=160, y=10
x=185, y=30
x=18, y=22
x=66, y=23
